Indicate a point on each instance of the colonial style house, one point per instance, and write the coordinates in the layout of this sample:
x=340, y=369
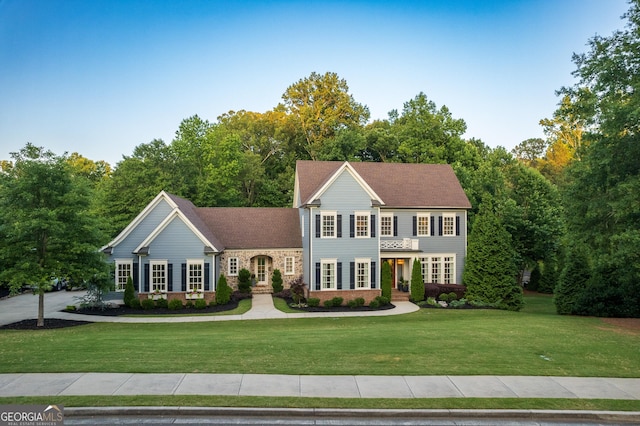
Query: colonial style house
x=347, y=218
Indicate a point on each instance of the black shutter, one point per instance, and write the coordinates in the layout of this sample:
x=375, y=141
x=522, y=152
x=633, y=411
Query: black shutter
x=352, y=275
x=339, y=276
x=415, y=226
x=373, y=226
x=432, y=224
x=207, y=281
x=395, y=226
x=170, y=277
x=184, y=277
x=339, y=224
x=439, y=225
x=352, y=226
x=317, y=226
x=146, y=277
x=136, y=276
x=318, y=276
x=373, y=274
x=457, y=225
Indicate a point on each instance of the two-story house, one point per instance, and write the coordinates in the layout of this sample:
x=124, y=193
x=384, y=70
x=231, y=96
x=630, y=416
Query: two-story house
x=347, y=218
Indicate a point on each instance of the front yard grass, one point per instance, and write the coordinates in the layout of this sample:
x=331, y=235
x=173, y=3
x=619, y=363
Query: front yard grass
x=534, y=342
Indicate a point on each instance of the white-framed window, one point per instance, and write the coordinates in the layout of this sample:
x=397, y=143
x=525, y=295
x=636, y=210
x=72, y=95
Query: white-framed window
x=439, y=268
x=448, y=224
x=195, y=275
x=423, y=224
x=158, y=281
x=232, y=267
x=289, y=268
x=328, y=224
x=328, y=274
x=386, y=224
x=124, y=270
x=362, y=224
x=363, y=271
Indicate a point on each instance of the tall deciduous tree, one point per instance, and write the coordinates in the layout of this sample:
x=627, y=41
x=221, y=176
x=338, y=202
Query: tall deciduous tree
x=602, y=196
x=46, y=226
x=320, y=105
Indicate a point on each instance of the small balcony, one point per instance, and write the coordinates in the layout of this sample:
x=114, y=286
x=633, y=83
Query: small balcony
x=404, y=244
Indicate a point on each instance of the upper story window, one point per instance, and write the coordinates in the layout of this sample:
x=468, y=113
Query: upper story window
x=362, y=224
x=233, y=266
x=386, y=224
x=328, y=225
x=448, y=224
x=423, y=221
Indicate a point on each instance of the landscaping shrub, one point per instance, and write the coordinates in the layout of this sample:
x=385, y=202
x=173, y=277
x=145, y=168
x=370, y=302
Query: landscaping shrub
x=431, y=290
x=276, y=281
x=356, y=303
x=189, y=304
x=135, y=304
x=573, y=280
x=458, y=303
x=313, y=302
x=549, y=278
x=162, y=303
x=297, y=289
x=386, y=280
x=223, y=292
x=213, y=302
x=352, y=304
x=374, y=304
x=417, y=284
x=244, y=281
x=432, y=301
x=328, y=303
x=200, y=304
x=453, y=296
x=129, y=292
x=337, y=301
x=383, y=300
x=534, y=279
x=147, y=304
x=444, y=297
x=175, y=304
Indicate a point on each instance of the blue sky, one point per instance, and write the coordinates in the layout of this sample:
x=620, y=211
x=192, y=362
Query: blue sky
x=100, y=77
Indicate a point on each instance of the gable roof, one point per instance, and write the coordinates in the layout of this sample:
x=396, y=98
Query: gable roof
x=401, y=185
x=253, y=227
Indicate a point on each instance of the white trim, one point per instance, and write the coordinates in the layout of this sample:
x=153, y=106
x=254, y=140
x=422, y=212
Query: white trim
x=164, y=263
x=118, y=262
x=188, y=277
x=293, y=265
x=452, y=216
x=334, y=214
x=348, y=167
x=384, y=215
x=175, y=213
x=441, y=266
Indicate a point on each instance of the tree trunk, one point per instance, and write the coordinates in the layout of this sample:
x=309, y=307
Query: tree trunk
x=40, y=308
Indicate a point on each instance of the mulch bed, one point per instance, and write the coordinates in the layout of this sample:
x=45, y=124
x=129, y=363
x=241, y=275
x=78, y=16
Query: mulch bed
x=49, y=324
x=125, y=310
x=343, y=308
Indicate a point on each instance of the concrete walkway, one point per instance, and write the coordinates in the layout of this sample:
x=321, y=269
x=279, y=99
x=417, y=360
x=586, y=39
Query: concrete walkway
x=112, y=384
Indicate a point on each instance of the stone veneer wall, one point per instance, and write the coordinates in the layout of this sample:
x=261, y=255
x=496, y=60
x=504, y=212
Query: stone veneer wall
x=277, y=262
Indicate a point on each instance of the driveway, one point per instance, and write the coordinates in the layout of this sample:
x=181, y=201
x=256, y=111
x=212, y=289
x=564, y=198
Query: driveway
x=25, y=306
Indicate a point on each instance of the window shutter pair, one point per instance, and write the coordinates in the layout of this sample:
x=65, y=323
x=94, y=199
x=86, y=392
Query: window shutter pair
x=338, y=226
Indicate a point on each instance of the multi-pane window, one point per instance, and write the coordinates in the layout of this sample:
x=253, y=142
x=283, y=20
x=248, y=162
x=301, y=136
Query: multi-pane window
x=328, y=225
x=362, y=224
x=195, y=275
x=328, y=274
x=424, y=268
x=124, y=270
x=423, y=220
x=233, y=266
x=363, y=267
x=386, y=225
x=289, y=265
x=439, y=269
x=448, y=271
x=449, y=224
x=435, y=270
x=158, y=276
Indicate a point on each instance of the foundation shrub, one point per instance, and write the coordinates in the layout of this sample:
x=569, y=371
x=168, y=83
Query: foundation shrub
x=175, y=304
x=200, y=304
x=147, y=304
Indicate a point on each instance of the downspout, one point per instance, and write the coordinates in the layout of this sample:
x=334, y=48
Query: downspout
x=310, y=267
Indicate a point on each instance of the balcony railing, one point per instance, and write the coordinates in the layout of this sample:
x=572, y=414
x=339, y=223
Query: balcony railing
x=403, y=244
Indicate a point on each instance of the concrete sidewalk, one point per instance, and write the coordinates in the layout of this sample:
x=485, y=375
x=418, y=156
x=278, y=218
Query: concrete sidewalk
x=112, y=384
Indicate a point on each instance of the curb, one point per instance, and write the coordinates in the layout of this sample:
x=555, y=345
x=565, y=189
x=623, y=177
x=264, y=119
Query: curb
x=619, y=417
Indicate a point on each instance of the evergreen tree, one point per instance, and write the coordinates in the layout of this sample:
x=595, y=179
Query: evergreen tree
x=534, y=279
x=417, y=283
x=490, y=269
x=129, y=292
x=244, y=281
x=276, y=281
x=386, y=280
x=223, y=291
x=549, y=277
x=573, y=280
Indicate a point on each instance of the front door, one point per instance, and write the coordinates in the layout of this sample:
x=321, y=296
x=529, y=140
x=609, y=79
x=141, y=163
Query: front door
x=261, y=270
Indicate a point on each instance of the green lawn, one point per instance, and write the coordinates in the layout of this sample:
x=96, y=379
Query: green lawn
x=429, y=342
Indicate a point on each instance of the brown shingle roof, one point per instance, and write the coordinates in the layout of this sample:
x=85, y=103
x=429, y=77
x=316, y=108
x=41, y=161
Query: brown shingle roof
x=253, y=227
x=189, y=210
x=397, y=184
